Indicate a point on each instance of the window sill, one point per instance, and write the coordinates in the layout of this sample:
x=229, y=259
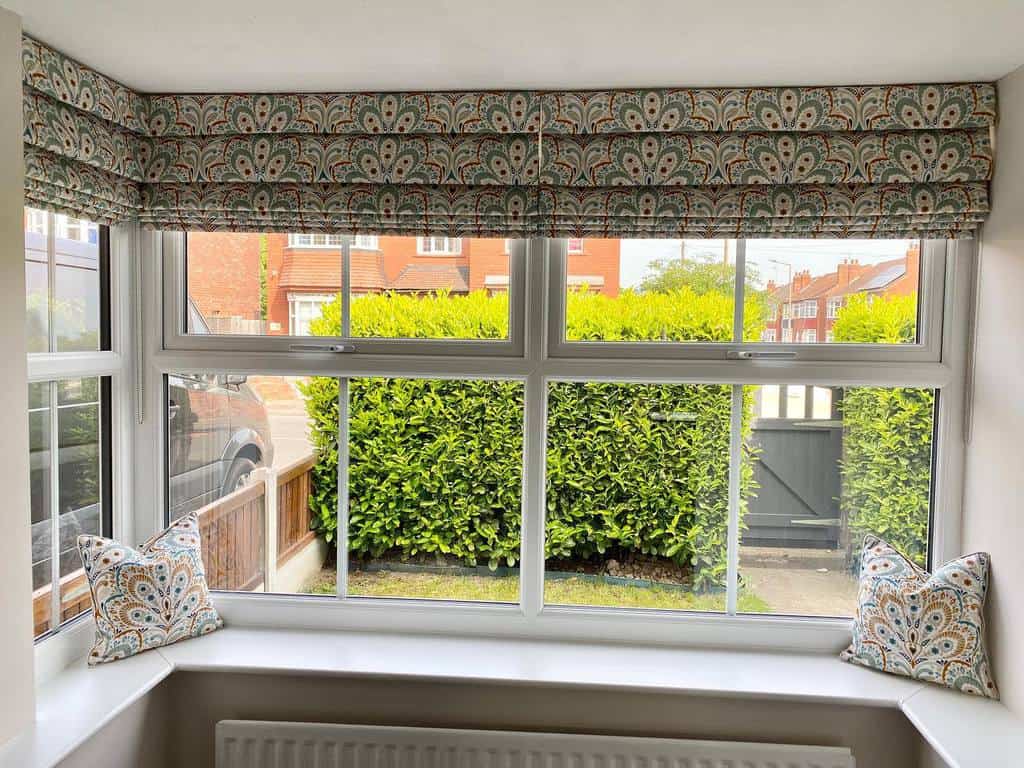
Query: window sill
x=964, y=730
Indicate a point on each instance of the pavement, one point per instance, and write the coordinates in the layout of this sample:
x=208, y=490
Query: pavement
x=803, y=591
x=286, y=412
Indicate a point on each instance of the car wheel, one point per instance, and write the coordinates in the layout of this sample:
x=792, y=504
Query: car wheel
x=238, y=474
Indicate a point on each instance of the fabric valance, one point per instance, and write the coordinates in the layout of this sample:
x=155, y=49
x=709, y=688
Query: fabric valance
x=875, y=161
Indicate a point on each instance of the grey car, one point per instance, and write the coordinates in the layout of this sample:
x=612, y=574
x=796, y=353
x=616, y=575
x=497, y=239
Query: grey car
x=217, y=434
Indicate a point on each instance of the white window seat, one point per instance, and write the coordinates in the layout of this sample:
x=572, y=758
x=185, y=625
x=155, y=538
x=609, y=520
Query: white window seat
x=965, y=731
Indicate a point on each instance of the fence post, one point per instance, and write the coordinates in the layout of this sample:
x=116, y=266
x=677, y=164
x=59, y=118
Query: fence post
x=269, y=477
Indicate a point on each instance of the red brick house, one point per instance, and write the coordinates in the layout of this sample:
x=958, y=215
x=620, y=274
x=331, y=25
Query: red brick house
x=303, y=271
x=805, y=310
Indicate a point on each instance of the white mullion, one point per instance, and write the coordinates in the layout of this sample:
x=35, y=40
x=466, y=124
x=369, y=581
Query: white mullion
x=51, y=280
x=739, y=291
x=346, y=286
x=531, y=565
x=341, y=532
x=54, y=508
x=732, y=549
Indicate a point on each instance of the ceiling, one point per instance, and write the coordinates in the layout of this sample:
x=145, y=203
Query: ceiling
x=337, y=45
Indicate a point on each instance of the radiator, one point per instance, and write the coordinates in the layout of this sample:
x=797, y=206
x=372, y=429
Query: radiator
x=255, y=744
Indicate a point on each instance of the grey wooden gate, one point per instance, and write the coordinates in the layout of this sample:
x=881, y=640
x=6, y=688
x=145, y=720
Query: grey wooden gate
x=797, y=470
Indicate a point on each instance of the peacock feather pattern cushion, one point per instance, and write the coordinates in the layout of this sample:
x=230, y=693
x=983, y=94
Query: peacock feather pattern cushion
x=149, y=597
x=928, y=627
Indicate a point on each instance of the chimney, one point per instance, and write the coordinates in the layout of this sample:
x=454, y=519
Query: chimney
x=801, y=280
x=771, y=286
x=848, y=271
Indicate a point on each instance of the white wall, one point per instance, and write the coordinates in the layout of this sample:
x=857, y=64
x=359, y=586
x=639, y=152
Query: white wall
x=994, y=486
x=16, y=702
x=879, y=737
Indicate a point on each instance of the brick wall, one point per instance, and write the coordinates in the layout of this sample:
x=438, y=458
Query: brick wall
x=600, y=257
x=224, y=274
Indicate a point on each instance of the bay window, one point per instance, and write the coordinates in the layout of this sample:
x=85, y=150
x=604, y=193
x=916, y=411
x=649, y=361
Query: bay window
x=627, y=434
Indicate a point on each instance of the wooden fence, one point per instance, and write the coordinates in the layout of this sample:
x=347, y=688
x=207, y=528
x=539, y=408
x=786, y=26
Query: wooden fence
x=234, y=531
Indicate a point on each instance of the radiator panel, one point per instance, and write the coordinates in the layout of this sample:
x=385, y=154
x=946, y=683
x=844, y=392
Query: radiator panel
x=257, y=744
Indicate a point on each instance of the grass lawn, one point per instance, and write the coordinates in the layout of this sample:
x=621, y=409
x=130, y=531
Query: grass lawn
x=571, y=591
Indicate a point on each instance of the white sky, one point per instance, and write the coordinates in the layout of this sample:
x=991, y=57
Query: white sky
x=819, y=256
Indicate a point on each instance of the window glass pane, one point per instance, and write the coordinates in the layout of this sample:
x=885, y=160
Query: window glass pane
x=41, y=505
x=435, y=479
x=231, y=441
x=62, y=298
x=650, y=290
x=401, y=287
x=80, y=484
x=820, y=484
x=37, y=282
x=827, y=290
x=74, y=408
x=76, y=289
x=638, y=495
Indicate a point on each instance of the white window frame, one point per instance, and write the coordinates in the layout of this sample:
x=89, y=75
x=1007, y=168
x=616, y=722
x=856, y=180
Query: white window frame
x=832, y=307
x=809, y=336
x=171, y=248
x=574, y=245
x=71, y=639
x=927, y=349
x=450, y=246
x=768, y=336
x=940, y=364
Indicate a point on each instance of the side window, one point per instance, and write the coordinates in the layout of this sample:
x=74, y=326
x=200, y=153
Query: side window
x=67, y=266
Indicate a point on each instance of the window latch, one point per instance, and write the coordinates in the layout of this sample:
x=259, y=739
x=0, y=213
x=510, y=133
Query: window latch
x=751, y=354
x=338, y=348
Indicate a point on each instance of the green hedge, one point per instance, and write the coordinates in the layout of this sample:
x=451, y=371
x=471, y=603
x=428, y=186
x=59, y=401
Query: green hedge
x=436, y=466
x=887, y=442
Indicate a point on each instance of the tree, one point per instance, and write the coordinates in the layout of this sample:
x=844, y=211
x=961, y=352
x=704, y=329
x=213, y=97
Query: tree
x=702, y=274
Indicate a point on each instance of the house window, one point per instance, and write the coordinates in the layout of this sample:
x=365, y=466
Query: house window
x=67, y=266
x=303, y=310
x=575, y=245
x=439, y=246
x=598, y=469
x=365, y=242
x=834, y=305
x=806, y=309
x=830, y=337
x=314, y=240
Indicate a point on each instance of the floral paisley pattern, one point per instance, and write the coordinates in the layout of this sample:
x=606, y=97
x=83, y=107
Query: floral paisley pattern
x=871, y=161
x=150, y=597
x=928, y=627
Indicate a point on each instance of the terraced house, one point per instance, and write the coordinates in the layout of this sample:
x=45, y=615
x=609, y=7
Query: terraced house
x=302, y=272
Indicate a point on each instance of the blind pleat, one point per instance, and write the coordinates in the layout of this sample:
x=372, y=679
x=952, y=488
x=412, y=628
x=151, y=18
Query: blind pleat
x=872, y=161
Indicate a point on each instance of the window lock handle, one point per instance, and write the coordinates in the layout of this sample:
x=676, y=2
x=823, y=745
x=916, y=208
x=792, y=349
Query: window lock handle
x=753, y=354
x=337, y=348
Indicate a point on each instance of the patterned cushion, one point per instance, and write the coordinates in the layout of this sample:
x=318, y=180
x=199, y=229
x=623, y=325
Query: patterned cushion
x=928, y=627
x=150, y=597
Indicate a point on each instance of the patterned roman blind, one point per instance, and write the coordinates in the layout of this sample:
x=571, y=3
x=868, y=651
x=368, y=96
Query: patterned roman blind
x=876, y=161
x=83, y=138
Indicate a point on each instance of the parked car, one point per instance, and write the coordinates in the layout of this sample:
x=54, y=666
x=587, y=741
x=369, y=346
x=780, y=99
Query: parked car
x=217, y=434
